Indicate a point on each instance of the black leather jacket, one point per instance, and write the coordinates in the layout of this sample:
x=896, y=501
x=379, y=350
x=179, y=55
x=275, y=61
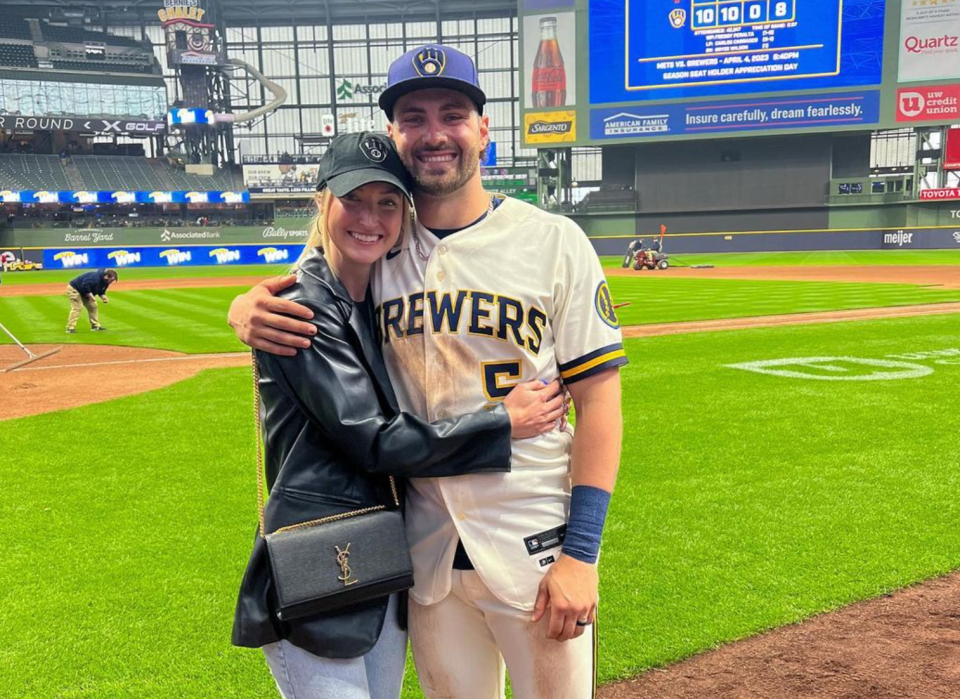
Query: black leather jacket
x=332, y=434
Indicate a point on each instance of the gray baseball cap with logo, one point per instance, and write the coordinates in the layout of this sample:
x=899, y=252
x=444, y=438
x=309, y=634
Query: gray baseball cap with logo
x=356, y=159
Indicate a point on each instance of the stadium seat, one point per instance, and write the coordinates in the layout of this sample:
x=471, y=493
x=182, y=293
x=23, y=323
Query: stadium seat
x=36, y=172
x=75, y=35
x=610, y=199
x=109, y=173
x=17, y=56
x=102, y=67
x=13, y=27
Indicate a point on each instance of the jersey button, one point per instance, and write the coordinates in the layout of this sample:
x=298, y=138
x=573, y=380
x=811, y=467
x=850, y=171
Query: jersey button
x=461, y=516
x=442, y=249
x=441, y=275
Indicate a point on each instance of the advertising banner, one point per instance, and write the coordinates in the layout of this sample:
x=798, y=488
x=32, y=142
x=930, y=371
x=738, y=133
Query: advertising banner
x=82, y=124
x=951, y=150
x=119, y=197
x=549, y=60
x=938, y=194
x=936, y=103
x=837, y=109
x=928, y=239
x=138, y=237
x=550, y=127
x=187, y=256
x=280, y=174
x=929, y=40
x=517, y=182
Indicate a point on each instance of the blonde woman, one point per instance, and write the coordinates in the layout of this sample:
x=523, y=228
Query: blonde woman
x=333, y=432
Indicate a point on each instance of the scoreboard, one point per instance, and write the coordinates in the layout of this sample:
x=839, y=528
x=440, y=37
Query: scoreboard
x=721, y=47
x=729, y=43
x=682, y=69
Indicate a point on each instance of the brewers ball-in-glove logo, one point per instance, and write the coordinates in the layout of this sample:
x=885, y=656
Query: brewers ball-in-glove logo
x=430, y=62
x=604, y=303
x=678, y=18
x=374, y=149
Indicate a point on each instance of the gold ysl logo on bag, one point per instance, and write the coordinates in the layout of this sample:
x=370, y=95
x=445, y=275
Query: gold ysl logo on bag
x=343, y=560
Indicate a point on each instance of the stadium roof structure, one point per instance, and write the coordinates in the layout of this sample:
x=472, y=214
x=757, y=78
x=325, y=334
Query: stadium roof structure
x=238, y=13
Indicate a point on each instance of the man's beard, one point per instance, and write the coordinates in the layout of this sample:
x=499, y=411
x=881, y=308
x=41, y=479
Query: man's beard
x=451, y=180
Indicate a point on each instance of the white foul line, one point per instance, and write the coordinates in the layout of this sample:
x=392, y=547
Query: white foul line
x=135, y=361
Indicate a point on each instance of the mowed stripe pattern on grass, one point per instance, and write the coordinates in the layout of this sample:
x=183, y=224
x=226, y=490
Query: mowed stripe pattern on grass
x=184, y=320
x=744, y=502
x=194, y=319
x=63, y=276
x=661, y=299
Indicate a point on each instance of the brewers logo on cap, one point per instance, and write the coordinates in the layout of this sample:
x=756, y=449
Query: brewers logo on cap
x=374, y=149
x=430, y=62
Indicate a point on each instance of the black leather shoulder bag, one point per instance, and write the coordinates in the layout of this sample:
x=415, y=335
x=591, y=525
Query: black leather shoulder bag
x=325, y=564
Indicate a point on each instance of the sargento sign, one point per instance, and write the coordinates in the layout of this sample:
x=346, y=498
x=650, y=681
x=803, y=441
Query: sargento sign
x=82, y=124
x=550, y=127
x=944, y=193
x=538, y=127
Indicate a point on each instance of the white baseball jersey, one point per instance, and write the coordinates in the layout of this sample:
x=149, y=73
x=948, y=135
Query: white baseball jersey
x=519, y=296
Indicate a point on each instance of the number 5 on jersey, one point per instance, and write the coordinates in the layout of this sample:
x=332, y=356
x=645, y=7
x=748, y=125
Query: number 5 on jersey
x=499, y=378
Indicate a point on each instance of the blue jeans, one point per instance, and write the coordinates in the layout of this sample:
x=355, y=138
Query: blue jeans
x=376, y=675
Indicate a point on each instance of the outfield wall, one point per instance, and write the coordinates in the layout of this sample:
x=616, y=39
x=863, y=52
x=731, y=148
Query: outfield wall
x=164, y=256
x=792, y=241
x=846, y=223
x=90, y=248
x=287, y=231
x=83, y=248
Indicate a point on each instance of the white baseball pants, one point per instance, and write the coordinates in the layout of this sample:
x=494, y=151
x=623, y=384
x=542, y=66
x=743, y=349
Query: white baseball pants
x=461, y=644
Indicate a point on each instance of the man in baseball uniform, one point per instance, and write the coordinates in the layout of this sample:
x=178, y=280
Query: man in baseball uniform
x=469, y=305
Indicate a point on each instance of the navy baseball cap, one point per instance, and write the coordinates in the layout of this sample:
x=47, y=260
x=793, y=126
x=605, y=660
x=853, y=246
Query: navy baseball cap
x=356, y=159
x=431, y=66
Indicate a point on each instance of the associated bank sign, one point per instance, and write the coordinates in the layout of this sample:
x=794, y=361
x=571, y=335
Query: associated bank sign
x=627, y=124
x=167, y=235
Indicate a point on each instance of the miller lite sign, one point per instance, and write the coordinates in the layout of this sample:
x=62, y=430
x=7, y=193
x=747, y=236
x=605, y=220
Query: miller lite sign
x=327, y=127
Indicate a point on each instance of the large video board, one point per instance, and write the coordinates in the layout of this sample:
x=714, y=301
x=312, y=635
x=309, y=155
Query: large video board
x=679, y=69
x=700, y=48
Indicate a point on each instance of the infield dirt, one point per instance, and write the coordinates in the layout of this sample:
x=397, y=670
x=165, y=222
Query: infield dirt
x=84, y=374
x=900, y=646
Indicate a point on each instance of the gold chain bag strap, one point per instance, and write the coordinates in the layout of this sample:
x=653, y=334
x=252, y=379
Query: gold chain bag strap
x=328, y=563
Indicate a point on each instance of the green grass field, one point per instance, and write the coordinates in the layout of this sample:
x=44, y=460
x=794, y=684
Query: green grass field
x=815, y=258
x=663, y=299
x=194, y=319
x=745, y=501
x=186, y=320
x=50, y=276
x=746, y=259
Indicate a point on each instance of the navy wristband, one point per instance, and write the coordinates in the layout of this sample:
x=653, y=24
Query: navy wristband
x=588, y=512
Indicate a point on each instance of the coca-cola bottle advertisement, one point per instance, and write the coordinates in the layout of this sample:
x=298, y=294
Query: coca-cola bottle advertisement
x=549, y=60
